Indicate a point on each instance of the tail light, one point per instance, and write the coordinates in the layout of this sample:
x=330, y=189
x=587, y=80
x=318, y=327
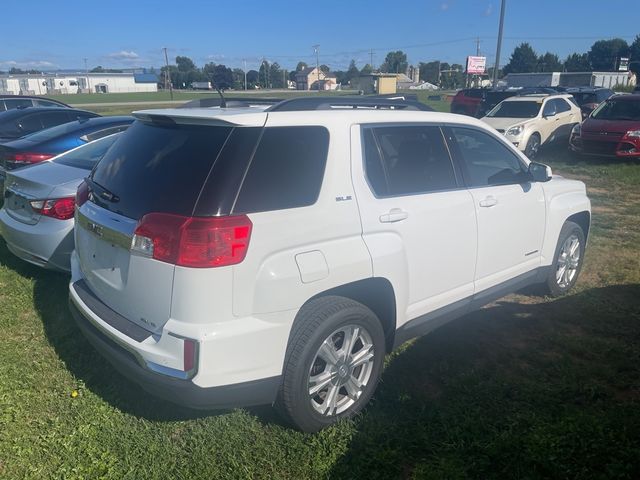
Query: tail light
x=82, y=194
x=199, y=242
x=60, y=208
x=27, y=158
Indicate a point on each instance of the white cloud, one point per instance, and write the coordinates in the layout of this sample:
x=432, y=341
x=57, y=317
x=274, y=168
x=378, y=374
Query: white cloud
x=488, y=11
x=27, y=64
x=124, y=55
x=444, y=6
x=216, y=56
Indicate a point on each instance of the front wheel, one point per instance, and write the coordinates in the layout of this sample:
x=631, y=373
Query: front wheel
x=334, y=360
x=567, y=261
x=533, y=146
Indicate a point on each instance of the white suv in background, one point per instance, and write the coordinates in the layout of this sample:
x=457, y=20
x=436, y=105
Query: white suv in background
x=531, y=121
x=256, y=255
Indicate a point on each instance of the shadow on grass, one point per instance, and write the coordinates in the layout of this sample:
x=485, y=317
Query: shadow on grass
x=515, y=390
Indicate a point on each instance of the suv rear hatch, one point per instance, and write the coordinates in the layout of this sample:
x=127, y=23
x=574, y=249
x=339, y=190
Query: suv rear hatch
x=157, y=166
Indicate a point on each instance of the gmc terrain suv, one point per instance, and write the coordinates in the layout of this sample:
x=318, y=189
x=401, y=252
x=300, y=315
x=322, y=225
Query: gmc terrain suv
x=247, y=255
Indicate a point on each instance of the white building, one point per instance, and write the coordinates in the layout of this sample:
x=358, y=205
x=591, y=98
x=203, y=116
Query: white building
x=59, y=83
x=569, y=79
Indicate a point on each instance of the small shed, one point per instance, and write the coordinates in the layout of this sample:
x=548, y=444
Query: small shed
x=380, y=83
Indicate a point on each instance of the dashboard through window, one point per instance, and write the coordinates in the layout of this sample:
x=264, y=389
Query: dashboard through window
x=486, y=160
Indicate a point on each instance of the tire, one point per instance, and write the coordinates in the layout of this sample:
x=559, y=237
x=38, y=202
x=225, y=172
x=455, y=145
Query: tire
x=558, y=283
x=320, y=330
x=533, y=146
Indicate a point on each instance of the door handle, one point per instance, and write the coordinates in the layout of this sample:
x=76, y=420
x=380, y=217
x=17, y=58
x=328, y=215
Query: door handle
x=489, y=201
x=394, y=215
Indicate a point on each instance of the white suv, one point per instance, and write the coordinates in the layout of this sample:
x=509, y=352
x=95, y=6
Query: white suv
x=252, y=255
x=531, y=121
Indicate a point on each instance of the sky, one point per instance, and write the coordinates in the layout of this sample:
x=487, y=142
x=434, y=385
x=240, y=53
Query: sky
x=132, y=33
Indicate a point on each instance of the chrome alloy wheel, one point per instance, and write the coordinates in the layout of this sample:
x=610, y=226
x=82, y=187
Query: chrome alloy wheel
x=568, y=261
x=341, y=370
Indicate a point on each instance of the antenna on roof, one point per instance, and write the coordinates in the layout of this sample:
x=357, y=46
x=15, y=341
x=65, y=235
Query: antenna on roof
x=223, y=102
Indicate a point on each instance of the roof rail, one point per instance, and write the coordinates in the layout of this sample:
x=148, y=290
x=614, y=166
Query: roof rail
x=238, y=102
x=348, y=102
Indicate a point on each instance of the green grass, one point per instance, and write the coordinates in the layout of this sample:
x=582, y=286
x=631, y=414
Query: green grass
x=528, y=387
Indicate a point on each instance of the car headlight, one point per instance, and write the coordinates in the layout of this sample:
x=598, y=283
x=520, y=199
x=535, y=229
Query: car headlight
x=576, y=129
x=633, y=134
x=515, y=131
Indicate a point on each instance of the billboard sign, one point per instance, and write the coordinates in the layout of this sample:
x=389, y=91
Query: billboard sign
x=623, y=64
x=476, y=65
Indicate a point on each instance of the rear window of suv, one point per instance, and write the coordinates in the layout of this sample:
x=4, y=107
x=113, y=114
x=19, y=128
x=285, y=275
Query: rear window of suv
x=157, y=168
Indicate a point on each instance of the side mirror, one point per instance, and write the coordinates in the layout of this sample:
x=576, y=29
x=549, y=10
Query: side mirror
x=539, y=172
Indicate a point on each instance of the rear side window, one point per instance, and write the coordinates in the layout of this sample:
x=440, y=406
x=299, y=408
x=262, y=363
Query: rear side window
x=52, y=119
x=17, y=103
x=157, y=168
x=29, y=124
x=286, y=170
x=407, y=160
x=561, y=105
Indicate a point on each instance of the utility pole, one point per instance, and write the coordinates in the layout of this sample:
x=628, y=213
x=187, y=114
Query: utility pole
x=244, y=63
x=167, y=75
x=477, y=46
x=497, y=64
x=86, y=71
x=316, y=49
x=371, y=57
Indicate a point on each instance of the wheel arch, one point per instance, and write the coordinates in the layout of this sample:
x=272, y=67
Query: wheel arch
x=583, y=219
x=376, y=293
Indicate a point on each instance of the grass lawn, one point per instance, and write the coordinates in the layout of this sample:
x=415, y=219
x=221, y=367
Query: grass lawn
x=528, y=387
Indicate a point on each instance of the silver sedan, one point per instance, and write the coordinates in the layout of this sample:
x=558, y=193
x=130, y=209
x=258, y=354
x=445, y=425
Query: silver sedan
x=36, y=219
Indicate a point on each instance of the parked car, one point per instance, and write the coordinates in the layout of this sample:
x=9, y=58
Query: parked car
x=532, y=121
x=476, y=102
x=589, y=98
x=20, y=122
x=41, y=146
x=612, y=129
x=242, y=256
x=36, y=220
x=9, y=102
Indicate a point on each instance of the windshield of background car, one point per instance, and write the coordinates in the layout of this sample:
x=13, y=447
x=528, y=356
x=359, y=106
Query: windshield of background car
x=88, y=155
x=618, y=110
x=516, y=110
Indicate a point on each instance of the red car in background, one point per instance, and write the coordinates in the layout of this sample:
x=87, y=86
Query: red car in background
x=612, y=129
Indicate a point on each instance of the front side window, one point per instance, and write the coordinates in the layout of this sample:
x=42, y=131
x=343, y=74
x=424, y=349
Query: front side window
x=550, y=109
x=486, y=160
x=406, y=160
x=561, y=105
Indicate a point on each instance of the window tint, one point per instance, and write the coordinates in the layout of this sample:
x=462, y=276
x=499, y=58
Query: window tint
x=17, y=103
x=52, y=119
x=561, y=105
x=29, y=124
x=87, y=156
x=487, y=161
x=54, y=131
x=286, y=170
x=550, y=109
x=157, y=168
x=47, y=103
x=413, y=159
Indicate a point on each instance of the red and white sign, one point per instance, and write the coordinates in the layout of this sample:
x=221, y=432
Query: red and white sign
x=476, y=65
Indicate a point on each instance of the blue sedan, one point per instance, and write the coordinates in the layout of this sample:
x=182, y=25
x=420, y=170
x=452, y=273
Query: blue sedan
x=45, y=144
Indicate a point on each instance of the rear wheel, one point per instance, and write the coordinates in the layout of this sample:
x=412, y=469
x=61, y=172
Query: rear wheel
x=567, y=261
x=333, y=363
x=533, y=146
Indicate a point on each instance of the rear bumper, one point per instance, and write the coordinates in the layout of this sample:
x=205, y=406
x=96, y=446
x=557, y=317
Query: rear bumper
x=182, y=392
x=48, y=243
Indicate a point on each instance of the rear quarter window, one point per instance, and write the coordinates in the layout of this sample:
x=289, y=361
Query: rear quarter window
x=286, y=170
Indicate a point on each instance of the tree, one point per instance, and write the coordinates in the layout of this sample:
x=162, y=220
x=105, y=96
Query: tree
x=395, y=62
x=352, y=72
x=523, y=60
x=634, y=49
x=185, y=64
x=301, y=66
x=264, y=79
x=429, y=72
x=604, y=54
x=324, y=68
x=277, y=76
x=238, y=79
x=549, y=62
x=99, y=69
x=252, y=78
x=366, y=70
x=577, y=62
x=222, y=77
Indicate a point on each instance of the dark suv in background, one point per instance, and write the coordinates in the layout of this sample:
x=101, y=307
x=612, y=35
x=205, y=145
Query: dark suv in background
x=589, y=98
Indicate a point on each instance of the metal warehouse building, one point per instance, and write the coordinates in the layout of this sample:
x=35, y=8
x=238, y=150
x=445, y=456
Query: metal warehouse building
x=569, y=79
x=62, y=83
